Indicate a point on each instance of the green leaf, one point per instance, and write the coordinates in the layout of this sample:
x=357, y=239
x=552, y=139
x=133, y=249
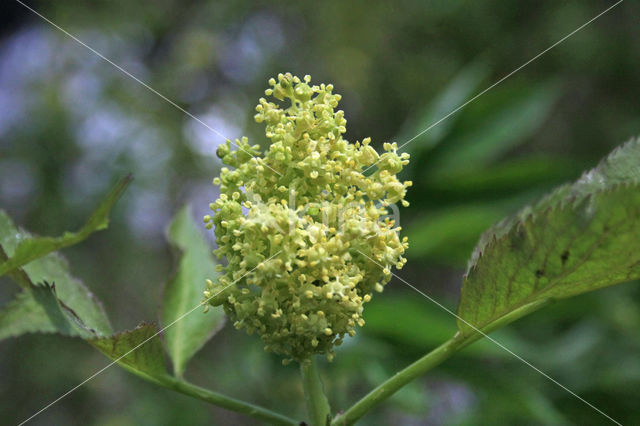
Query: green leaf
x=32, y=248
x=184, y=292
x=71, y=291
x=38, y=310
x=53, y=268
x=139, y=351
x=580, y=238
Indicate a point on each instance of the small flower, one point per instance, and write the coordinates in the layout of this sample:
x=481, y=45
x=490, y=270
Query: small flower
x=307, y=201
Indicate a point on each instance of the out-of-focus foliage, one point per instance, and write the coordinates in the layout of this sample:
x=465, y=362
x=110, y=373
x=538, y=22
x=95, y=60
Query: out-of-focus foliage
x=70, y=124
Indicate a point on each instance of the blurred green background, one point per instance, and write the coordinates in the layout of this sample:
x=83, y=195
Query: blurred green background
x=71, y=124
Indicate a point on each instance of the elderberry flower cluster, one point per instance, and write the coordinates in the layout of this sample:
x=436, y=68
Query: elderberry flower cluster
x=303, y=229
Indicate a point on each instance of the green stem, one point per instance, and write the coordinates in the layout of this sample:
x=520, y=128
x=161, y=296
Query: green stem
x=317, y=403
x=226, y=402
x=426, y=363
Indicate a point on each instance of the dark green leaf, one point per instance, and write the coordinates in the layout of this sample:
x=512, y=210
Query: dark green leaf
x=32, y=248
x=54, y=268
x=184, y=292
x=139, y=350
x=38, y=310
x=580, y=238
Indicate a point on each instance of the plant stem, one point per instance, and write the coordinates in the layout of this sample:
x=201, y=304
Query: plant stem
x=227, y=402
x=317, y=403
x=427, y=362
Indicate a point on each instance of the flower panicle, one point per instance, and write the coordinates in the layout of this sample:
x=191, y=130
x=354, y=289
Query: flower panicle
x=302, y=226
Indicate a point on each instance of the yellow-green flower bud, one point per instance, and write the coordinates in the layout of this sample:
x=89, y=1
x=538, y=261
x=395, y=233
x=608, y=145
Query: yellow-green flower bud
x=307, y=201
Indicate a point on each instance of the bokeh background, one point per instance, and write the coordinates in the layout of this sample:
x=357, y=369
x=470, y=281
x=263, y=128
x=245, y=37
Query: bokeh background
x=71, y=124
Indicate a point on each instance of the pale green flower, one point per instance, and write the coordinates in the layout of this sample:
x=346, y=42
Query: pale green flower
x=307, y=199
